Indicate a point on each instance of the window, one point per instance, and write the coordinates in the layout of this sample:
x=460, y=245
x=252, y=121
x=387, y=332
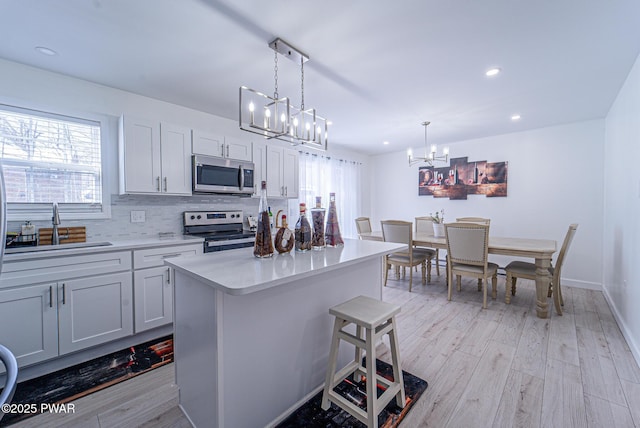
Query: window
x=321, y=175
x=51, y=158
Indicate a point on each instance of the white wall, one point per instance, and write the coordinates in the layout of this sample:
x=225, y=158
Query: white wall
x=34, y=88
x=622, y=209
x=555, y=178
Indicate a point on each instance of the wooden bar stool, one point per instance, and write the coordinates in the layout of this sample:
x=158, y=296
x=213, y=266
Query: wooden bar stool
x=377, y=318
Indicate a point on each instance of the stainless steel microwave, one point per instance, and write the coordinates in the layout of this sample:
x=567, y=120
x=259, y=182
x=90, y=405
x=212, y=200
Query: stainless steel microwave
x=220, y=175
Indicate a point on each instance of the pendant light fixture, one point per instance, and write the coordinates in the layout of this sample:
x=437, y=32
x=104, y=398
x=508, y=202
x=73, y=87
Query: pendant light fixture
x=430, y=156
x=275, y=116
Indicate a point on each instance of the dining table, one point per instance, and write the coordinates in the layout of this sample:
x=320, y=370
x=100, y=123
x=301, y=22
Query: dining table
x=541, y=250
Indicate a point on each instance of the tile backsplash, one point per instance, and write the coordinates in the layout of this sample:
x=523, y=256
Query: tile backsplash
x=163, y=214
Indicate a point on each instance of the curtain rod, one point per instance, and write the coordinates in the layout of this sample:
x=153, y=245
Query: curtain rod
x=329, y=157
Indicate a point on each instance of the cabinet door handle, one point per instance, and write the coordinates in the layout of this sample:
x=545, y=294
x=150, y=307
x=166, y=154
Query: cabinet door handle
x=166, y=256
x=64, y=293
x=168, y=275
x=286, y=190
x=165, y=184
x=51, y=296
x=222, y=151
x=158, y=183
x=227, y=150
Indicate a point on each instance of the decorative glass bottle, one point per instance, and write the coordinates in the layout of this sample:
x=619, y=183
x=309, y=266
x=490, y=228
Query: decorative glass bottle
x=303, y=230
x=332, y=234
x=263, y=246
x=317, y=219
x=284, y=238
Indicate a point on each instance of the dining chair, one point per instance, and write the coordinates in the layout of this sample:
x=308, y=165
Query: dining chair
x=527, y=270
x=424, y=225
x=11, y=365
x=402, y=232
x=363, y=225
x=479, y=220
x=468, y=254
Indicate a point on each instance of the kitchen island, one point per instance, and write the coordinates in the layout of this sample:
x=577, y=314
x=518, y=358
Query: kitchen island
x=252, y=335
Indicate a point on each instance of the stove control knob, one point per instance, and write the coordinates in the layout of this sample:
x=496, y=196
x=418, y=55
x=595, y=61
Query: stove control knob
x=233, y=215
x=199, y=216
x=193, y=217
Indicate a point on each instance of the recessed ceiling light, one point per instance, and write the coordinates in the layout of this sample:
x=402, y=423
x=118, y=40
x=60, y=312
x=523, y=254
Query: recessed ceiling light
x=329, y=122
x=493, y=71
x=515, y=117
x=46, y=51
x=386, y=143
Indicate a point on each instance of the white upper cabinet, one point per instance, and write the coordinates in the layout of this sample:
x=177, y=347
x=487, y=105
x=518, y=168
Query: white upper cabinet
x=290, y=173
x=259, y=166
x=236, y=148
x=154, y=157
x=139, y=155
x=210, y=144
x=207, y=143
x=282, y=172
x=275, y=165
x=175, y=148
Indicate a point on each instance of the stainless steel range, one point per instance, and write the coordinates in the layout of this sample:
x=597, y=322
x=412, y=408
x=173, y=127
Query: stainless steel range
x=221, y=230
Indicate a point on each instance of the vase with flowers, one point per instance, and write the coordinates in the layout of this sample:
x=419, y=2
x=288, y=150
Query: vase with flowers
x=438, y=223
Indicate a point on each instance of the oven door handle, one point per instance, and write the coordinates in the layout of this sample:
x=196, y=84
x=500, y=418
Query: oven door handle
x=224, y=242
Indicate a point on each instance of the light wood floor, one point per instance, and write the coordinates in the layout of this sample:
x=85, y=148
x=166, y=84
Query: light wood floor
x=501, y=367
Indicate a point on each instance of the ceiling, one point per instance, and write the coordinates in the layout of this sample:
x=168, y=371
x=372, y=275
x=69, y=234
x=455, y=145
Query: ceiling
x=377, y=69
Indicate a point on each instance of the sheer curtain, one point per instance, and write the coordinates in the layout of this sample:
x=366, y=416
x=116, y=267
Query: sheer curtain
x=321, y=175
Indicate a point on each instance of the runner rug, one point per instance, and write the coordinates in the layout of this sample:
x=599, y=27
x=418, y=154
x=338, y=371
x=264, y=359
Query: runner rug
x=85, y=378
x=310, y=414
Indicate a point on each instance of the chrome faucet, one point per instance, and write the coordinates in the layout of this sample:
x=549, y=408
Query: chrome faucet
x=55, y=238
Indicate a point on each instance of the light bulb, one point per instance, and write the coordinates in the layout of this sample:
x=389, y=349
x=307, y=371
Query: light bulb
x=445, y=151
x=433, y=148
x=283, y=119
x=251, y=114
x=267, y=118
x=295, y=126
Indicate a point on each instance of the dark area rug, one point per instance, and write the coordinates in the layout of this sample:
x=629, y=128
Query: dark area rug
x=310, y=414
x=83, y=379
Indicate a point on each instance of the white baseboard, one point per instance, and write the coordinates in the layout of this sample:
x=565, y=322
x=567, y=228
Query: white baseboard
x=581, y=284
x=633, y=345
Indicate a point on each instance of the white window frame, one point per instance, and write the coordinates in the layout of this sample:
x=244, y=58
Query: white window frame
x=43, y=211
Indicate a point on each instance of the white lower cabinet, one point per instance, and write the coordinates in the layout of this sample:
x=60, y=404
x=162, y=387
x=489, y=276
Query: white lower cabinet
x=94, y=310
x=153, y=296
x=52, y=306
x=153, y=284
x=76, y=302
x=29, y=320
x=43, y=321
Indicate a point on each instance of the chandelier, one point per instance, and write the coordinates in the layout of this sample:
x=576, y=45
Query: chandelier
x=429, y=156
x=275, y=116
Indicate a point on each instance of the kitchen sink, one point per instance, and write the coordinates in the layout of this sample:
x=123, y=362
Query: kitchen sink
x=40, y=248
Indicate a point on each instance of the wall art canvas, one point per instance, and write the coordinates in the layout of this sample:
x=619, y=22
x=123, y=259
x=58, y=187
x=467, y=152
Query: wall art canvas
x=462, y=178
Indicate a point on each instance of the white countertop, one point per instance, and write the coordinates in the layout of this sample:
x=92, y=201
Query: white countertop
x=132, y=244
x=238, y=272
